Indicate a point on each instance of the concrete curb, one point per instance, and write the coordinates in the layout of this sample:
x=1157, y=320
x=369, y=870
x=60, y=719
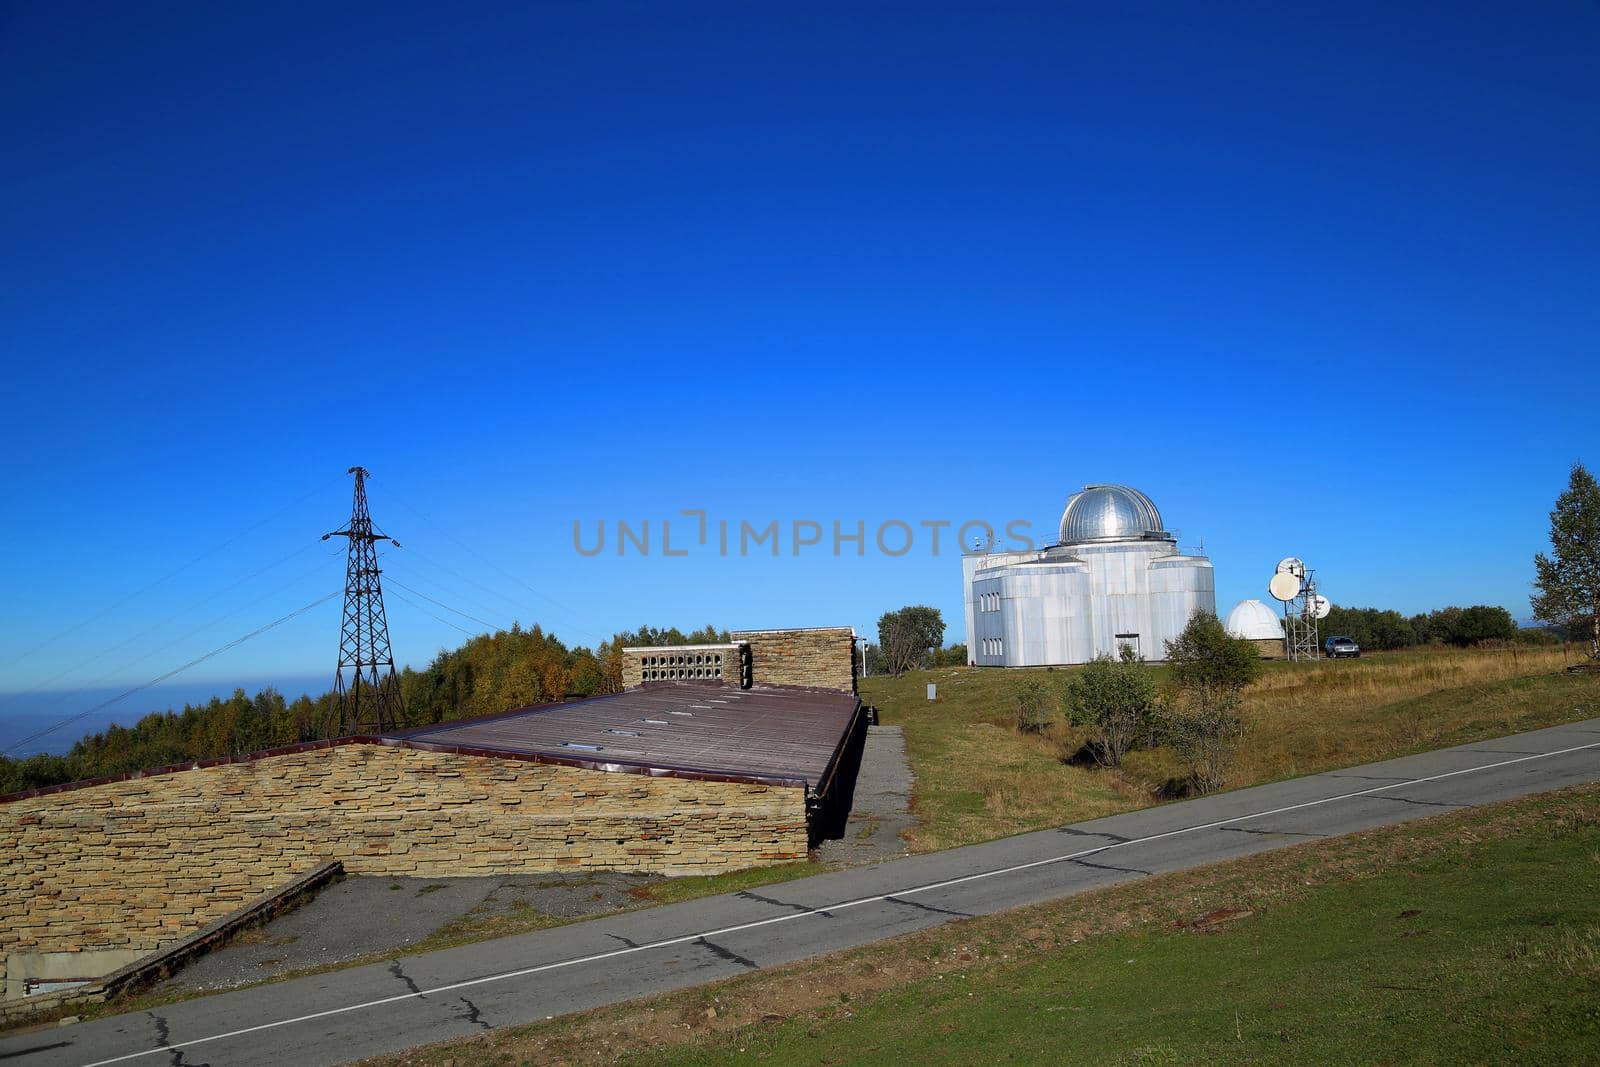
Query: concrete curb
x=165, y=961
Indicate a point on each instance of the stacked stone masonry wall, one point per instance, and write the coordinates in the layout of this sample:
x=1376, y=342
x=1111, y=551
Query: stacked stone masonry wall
x=822, y=658
x=141, y=863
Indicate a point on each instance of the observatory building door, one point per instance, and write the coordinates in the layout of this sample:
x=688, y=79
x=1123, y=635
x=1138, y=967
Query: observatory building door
x=1131, y=640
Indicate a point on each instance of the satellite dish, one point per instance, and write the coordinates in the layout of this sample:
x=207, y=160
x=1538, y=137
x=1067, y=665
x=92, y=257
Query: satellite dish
x=1320, y=606
x=1284, y=586
x=1292, y=565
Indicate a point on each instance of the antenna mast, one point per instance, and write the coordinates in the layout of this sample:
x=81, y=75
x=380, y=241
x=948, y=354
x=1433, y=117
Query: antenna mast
x=1295, y=585
x=1300, y=619
x=372, y=703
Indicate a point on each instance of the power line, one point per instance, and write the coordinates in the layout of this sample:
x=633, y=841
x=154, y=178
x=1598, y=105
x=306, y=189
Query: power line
x=521, y=612
x=484, y=559
x=209, y=625
x=455, y=595
x=396, y=582
x=125, y=642
x=413, y=552
x=213, y=550
x=235, y=643
x=436, y=618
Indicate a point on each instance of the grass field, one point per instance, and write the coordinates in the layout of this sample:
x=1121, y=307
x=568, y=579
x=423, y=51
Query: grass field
x=977, y=778
x=1470, y=937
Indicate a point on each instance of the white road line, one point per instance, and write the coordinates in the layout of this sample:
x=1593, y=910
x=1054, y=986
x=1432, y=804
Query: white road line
x=789, y=916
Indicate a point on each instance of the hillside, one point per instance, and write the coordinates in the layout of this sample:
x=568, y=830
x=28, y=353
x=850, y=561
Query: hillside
x=978, y=778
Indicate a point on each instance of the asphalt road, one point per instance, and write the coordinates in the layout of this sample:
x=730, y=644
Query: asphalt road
x=350, y=1014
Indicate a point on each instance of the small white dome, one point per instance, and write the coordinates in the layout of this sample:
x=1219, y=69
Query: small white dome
x=1255, y=621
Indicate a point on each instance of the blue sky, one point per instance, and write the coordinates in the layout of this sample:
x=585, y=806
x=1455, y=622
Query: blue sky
x=1321, y=279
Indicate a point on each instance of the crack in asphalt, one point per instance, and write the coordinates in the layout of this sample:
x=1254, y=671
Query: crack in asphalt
x=473, y=1015
x=35, y=1048
x=929, y=907
x=1371, y=777
x=164, y=1040
x=775, y=902
x=1270, y=833
x=1424, y=803
x=725, y=954
x=163, y=1032
x=1075, y=832
x=394, y=969
x=1109, y=867
x=625, y=940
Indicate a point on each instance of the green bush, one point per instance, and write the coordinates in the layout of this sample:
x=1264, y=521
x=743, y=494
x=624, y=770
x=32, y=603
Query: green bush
x=1116, y=697
x=1205, y=738
x=1202, y=722
x=1038, y=704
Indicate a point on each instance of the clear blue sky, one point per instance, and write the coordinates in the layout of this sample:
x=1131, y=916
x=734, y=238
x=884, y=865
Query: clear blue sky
x=1321, y=279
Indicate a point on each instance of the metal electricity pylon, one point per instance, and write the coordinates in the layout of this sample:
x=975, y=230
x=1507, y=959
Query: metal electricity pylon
x=371, y=703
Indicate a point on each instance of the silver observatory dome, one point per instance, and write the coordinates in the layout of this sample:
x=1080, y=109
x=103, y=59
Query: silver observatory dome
x=1110, y=513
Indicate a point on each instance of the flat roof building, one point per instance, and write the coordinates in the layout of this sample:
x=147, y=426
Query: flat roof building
x=713, y=758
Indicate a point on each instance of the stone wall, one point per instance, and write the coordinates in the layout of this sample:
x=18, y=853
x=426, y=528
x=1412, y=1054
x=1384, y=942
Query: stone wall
x=140, y=863
x=1270, y=647
x=823, y=657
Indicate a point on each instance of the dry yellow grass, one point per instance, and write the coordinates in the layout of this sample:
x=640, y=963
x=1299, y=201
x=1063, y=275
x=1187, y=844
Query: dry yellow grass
x=978, y=778
x=1311, y=717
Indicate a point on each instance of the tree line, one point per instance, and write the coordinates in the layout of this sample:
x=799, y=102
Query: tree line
x=1381, y=629
x=488, y=673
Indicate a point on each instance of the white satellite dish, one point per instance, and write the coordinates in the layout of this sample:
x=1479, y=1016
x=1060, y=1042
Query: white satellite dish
x=1284, y=586
x=1292, y=565
x=1320, y=606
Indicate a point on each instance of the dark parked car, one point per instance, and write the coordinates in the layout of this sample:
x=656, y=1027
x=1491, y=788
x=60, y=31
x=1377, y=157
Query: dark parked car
x=1336, y=647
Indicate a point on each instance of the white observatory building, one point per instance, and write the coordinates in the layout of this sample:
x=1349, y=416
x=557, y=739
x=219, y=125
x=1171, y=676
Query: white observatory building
x=1116, y=578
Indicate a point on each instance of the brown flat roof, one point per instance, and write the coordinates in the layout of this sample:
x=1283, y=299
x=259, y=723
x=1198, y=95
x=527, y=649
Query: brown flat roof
x=777, y=734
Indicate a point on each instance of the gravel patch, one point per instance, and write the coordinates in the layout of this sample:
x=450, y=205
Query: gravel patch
x=361, y=916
